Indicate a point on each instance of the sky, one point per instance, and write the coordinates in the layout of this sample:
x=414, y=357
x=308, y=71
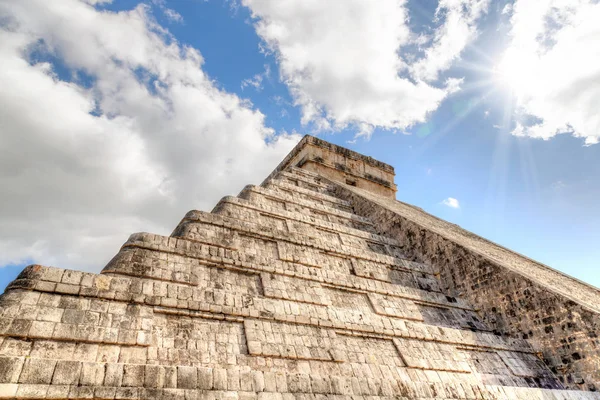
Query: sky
x=120, y=116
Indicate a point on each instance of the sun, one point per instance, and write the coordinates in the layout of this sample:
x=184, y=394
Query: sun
x=516, y=72
x=507, y=71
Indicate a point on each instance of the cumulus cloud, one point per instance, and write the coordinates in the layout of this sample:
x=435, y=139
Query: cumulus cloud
x=459, y=28
x=169, y=13
x=257, y=80
x=97, y=2
x=451, y=202
x=343, y=60
x=133, y=136
x=552, y=65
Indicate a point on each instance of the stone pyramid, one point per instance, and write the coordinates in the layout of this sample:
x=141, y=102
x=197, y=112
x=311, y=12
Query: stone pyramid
x=315, y=284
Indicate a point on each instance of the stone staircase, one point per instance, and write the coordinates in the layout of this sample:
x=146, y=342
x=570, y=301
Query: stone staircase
x=283, y=292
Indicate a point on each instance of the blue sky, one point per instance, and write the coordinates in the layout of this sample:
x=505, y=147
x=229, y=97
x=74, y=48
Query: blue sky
x=132, y=113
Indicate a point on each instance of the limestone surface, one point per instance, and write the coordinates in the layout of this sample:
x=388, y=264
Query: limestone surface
x=315, y=284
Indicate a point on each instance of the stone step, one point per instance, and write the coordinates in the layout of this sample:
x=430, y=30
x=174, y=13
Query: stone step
x=314, y=182
x=254, y=209
x=130, y=297
x=328, y=214
x=162, y=383
x=143, y=255
x=295, y=192
x=286, y=185
x=288, y=291
x=353, y=285
x=277, y=201
x=304, y=244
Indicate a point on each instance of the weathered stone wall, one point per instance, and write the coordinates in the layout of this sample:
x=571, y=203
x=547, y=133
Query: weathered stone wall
x=284, y=292
x=515, y=304
x=341, y=165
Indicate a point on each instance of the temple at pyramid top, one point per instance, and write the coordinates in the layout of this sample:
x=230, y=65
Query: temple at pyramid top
x=316, y=284
x=341, y=165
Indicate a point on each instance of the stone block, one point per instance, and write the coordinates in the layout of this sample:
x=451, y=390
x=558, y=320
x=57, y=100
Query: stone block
x=37, y=371
x=67, y=373
x=205, y=378
x=92, y=374
x=10, y=369
x=27, y=312
x=108, y=353
x=4, y=324
x=72, y=277
x=51, y=274
x=103, y=392
x=233, y=380
x=43, y=286
x=126, y=393
x=259, y=381
x=247, y=396
x=170, y=377
x=270, y=382
x=281, y=381
x=113, y=375
x=15, y=347
x=246, y=381
x=30, y=298
x=30, y=391
x=19, y=328
x=134, y=355
x=133, y=375
x=73, y=316
x=41, y=329
x=81, y=392
x=320, y=385
x=219, y=379
x=151, y=393
x=270, y=396
x=154, y=376
x=66, y=288
x=8, y=390
x=191, y=394
x=187, y=377
x=49, y=314
x=298, y=383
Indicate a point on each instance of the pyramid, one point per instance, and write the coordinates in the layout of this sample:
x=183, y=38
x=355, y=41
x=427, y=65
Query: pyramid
x=316, y=284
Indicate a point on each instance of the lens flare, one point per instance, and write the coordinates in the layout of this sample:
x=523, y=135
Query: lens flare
x=516, y=72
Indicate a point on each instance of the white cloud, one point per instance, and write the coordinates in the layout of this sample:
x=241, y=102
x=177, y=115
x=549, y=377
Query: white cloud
x=451, y=202
x=139, y=138
x=507, y=9
x=453, y=85
x=172, y=15
x=97, y=2
x=257, y=80
x=169, y=13
x=343, y=63
x=552, y=65
x=459, y=28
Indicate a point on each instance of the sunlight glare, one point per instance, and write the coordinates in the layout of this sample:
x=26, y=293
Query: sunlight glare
x=515, y=71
